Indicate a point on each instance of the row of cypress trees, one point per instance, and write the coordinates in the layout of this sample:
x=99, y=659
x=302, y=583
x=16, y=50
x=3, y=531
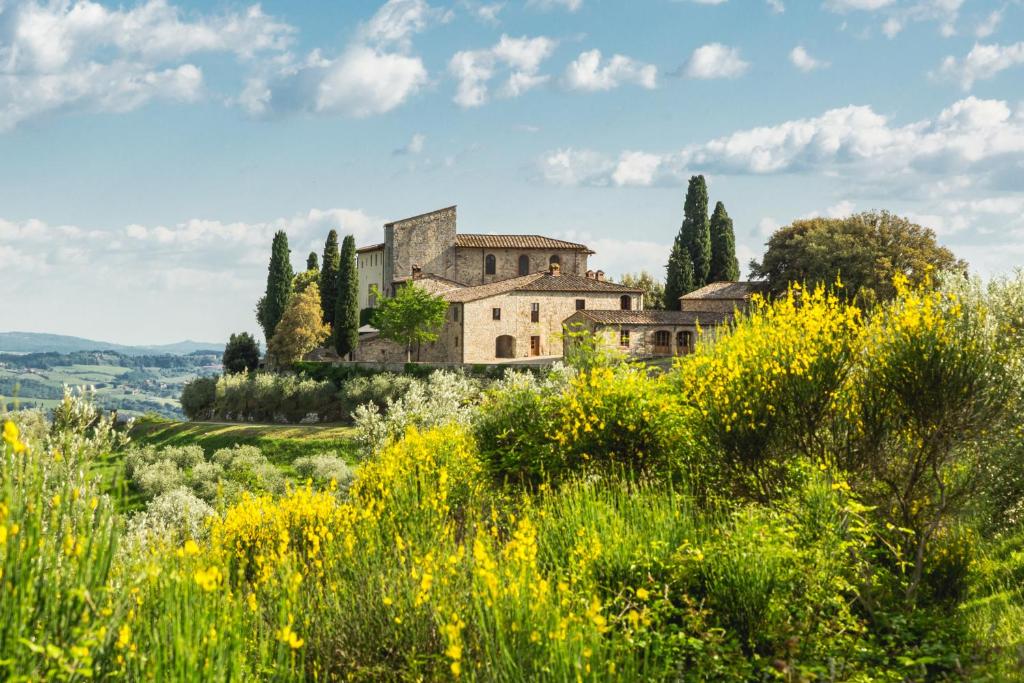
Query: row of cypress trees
x=337, y=281
x=704, y=250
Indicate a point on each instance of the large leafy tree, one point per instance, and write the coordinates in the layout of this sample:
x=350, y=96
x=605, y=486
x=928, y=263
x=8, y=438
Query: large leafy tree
x=412, y=316
x=654, y=289
x=279, y=286
x=300, y=330
x=241, y=354
x=724, y=265
x=312, y=262
x=678, y=276
x=329, y=277
x=696, y=231
x=865, y=250
x=346, y=312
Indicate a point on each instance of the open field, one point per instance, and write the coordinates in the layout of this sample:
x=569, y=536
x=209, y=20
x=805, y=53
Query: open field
x=281, y=444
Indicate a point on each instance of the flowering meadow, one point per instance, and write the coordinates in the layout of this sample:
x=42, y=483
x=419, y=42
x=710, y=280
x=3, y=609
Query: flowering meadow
x=818, y=493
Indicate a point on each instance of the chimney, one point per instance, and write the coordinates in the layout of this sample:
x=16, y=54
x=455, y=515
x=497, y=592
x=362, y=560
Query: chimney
x=590, y=275
x=417, y=272
x=599, y=275
x=555, y=269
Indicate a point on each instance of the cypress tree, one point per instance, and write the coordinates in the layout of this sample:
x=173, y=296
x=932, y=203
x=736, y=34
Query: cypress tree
x=724, y=265
x=346, y=313
x=678, y=276
x=329, y=277
x=279, y=285
x=695, y=231
x=312, y=262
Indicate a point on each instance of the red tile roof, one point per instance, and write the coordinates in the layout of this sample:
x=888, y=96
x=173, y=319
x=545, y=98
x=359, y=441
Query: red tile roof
x=481, y=241
x=537, y=282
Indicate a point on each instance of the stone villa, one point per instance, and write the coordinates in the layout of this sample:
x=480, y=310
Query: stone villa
x=511, y=296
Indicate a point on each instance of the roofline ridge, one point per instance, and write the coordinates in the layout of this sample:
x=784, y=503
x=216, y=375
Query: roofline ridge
x=420, y=215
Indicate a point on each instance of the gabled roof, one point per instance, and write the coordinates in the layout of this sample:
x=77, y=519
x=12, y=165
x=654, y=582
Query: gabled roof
x=692, y=318
x=372, y=247
x=537, y=282
x=435, y=284
x=726, y=290
x=482, y=241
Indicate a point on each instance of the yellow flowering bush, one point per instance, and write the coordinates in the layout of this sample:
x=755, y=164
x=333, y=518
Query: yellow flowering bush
x=762, y=387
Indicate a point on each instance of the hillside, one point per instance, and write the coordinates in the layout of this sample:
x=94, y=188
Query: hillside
x=131, y=384
x=37, y=342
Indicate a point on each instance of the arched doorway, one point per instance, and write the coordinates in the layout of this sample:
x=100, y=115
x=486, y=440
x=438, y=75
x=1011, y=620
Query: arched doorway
x=505, y=346
x=662, y=341
x=684, y=342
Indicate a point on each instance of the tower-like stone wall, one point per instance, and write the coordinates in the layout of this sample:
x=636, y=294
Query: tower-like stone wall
x=427, y=241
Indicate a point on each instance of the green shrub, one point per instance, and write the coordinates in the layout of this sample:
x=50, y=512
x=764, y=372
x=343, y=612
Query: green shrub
x=197, y=398
x=324, y=468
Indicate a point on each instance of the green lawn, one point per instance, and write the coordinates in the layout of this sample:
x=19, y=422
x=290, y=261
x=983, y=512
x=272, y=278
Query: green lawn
x=281, y=444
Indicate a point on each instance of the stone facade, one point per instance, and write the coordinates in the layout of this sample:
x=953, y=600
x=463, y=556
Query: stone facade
x=647, y=334
x=471, y=263
x=426, y=241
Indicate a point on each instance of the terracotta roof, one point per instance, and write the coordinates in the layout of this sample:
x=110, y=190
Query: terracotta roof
x=480, y=241
x=654, y=317
x=537, y=282
x=372, y=247
x=726, y=290
x=435, y=284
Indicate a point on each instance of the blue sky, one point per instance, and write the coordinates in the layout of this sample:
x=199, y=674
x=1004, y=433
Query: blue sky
x=149, y=150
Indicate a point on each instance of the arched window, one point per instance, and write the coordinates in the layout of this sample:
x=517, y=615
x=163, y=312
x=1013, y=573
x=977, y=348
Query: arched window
x=505, y=346
x=555, y=259
x=684, y=341
x=524, y=265
x=661, y=339
x=626, y=302
x=490, y=264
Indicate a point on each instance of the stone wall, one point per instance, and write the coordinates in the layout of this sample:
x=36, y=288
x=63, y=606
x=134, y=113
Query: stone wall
x=641, y=338
x=427, y=241
x=719, y=305
x=470, y=263
x=375, y=349
x=482, y=331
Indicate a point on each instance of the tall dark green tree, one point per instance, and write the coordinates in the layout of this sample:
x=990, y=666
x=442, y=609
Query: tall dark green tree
x=241, y=354
x=724, y=265
x=279, y=285
x=346, y=312
x=312, y=262
x=678, y=275
x=696, y=231
x=329, y=277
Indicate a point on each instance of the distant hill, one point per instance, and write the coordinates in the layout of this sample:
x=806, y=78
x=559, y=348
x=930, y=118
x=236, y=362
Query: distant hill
x=34, y=342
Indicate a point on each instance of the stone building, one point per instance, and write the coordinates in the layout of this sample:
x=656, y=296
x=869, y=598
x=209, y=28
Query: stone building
x=646, y=334
x=431, y=243
x=513, y=296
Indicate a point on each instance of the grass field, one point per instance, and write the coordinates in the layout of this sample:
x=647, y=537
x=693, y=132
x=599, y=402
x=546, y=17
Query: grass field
x=281, y=444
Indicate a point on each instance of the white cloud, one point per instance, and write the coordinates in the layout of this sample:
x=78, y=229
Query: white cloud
x=848, y=5
x=981, y=63
x=802, y=60
x=398, y=20
x=972, y=135
x=414, y=146
x=715, y=60
x=776, y=6
x=82, y=56
x=988, y=25
x=373, y=75
x=568, y=5
x=521, y=57
x=587, y=73
x=363, y=82
x=486, y=12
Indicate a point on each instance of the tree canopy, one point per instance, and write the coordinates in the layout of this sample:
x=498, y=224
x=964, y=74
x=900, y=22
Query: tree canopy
x=329, y=277
x=412, y=316
x=300, y=330
x=346, y=312
x=241, y=354
x=678, y=276
x=865, y=250
x=279, y=285
x=724, y=265
x=695, y=231
x=654, y=289
x=312, y=262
